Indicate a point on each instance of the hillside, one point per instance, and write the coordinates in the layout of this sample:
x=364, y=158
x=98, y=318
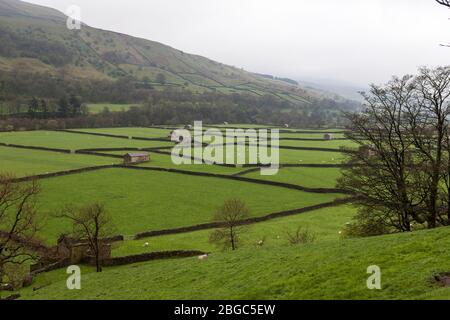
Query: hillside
x=35, y=39
x=326, y=270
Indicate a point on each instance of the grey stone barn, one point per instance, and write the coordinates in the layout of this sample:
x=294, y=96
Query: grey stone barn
x=136, y=157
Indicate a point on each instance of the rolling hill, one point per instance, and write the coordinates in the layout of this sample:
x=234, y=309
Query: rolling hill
x=35, y=39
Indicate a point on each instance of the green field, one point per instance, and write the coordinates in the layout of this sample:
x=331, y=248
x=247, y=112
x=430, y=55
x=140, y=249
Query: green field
x=322, y=270
x=325, y=223
x=22, y=162
x=145, y=200
x=333, y=144
x=285, y=156
x=100, y=107
x=73, y=141
x=148, y=200
x=132, y=132
x=310, y=135
x=307, y=177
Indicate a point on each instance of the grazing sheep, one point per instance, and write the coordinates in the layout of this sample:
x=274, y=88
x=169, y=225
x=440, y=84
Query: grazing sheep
x=260, y=243
x=203, y=257
x=146, y=244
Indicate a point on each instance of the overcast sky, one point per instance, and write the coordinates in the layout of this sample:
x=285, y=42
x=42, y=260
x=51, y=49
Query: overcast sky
x=356, y=41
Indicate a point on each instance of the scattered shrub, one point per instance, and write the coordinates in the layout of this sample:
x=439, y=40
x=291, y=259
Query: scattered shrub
x=300, y=236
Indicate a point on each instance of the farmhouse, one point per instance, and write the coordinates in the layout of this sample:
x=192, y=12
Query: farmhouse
x=133, y=158
x=328, y=136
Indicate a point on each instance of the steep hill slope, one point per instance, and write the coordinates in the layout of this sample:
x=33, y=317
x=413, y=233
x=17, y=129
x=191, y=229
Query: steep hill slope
x=36, y=39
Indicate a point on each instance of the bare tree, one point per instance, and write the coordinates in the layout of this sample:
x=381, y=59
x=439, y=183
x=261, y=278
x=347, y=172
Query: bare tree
x=18, y=222
x=381, y=171
x=231, y=213
x=444, y=2
x=402, y=164
x=427, y=115
x=92, y=224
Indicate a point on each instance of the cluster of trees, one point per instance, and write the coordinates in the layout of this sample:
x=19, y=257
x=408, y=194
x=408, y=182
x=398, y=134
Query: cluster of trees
x=182, y=106
x=20, y=222
x=65, y=107
x=172, y=106
x=21, y=83
x=401, y=172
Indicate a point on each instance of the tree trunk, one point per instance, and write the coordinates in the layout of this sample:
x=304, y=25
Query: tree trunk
x=233, y=245
x=97, y=262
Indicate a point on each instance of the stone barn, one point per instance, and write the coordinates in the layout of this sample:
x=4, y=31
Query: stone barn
x=328, y=136
x=137, y=157
x=77, y=252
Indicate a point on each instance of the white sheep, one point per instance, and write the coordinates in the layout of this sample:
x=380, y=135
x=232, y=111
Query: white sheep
x=260, y=243
x=203, y=257
x=146, y=244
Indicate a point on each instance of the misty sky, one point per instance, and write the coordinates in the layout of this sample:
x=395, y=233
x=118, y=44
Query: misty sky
x=356, y=41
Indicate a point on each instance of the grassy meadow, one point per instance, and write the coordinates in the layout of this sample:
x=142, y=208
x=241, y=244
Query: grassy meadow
x=95, y=108
x=144, y=200
x=73, y=141
x=306, y=177
x=22, y=162
x=133, y=132
x=321, y=270
x=149, y=200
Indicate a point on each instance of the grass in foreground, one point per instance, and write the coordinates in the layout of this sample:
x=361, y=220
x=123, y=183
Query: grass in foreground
x=325, y=270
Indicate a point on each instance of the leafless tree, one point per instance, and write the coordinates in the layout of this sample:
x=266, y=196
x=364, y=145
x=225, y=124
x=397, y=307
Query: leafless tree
x=402, y=165
x=427, y=117
x=381, y=170
x=444, y=3
x=18, y=222
x=92, y=224
x=231, y=213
